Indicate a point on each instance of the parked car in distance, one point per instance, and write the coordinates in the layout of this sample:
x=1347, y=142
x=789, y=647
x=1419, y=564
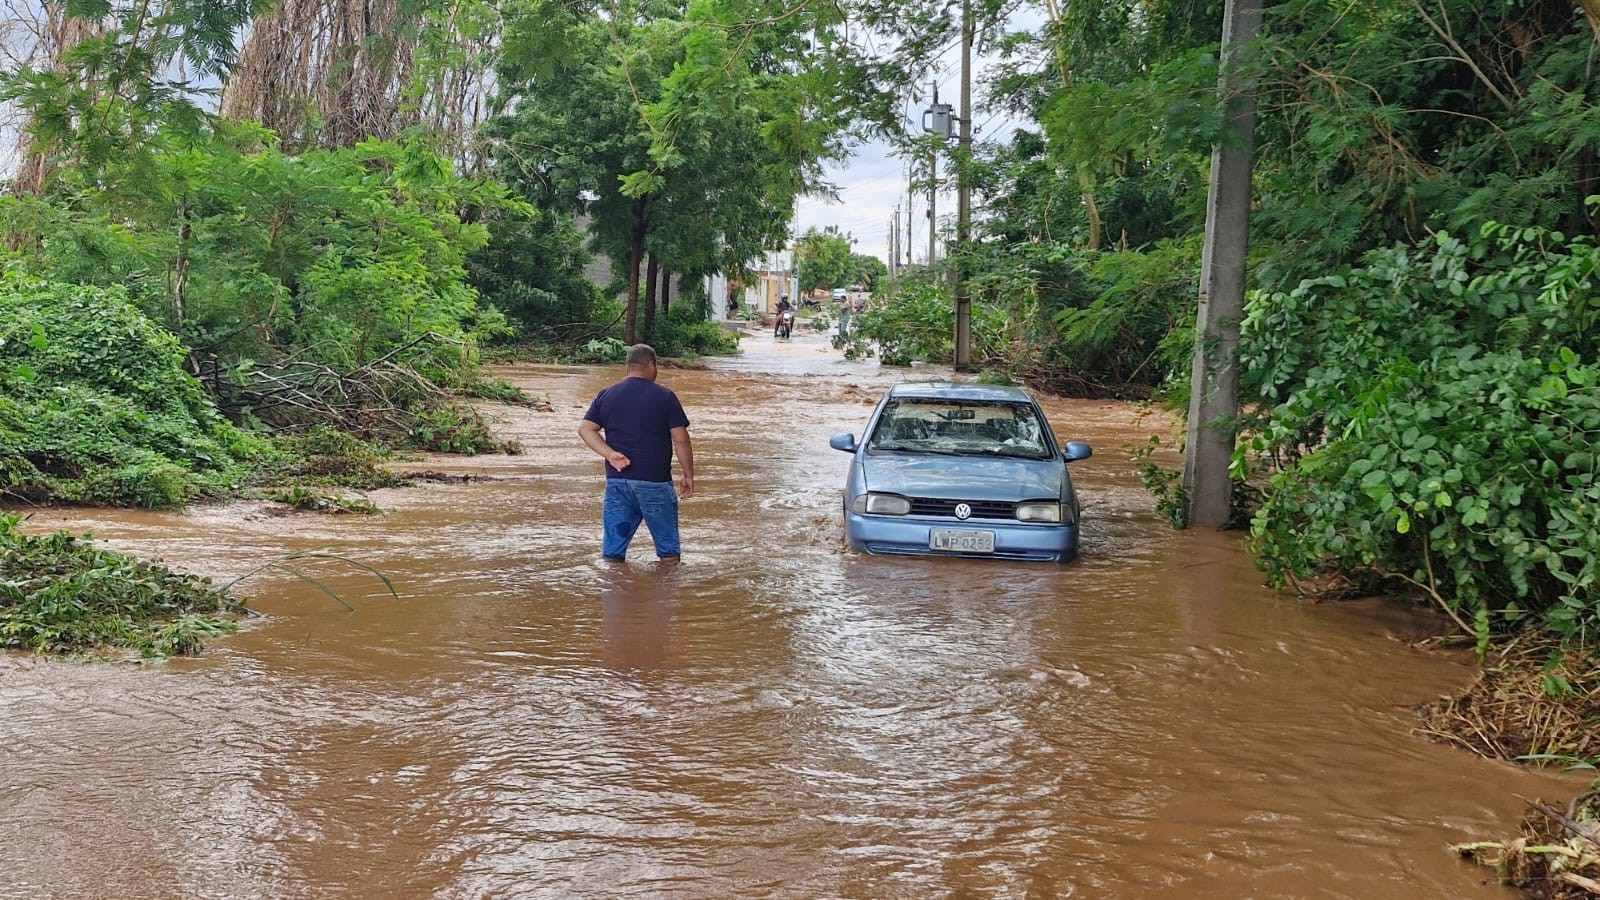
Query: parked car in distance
x=960, y=470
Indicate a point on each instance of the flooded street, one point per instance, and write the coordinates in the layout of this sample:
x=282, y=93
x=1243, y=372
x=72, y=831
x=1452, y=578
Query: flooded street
x=778, y=716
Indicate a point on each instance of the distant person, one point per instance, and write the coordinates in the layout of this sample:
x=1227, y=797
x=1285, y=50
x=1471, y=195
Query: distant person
x=643, y=424
x=844, y=322
x=783, y=306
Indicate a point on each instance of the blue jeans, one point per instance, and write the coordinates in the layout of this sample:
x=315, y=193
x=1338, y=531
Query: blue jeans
x=629, y=502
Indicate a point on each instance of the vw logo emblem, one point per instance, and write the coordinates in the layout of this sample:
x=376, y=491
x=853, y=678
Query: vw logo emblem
x=963, y=511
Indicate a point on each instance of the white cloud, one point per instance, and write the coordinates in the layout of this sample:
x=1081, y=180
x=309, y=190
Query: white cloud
x=873, y=182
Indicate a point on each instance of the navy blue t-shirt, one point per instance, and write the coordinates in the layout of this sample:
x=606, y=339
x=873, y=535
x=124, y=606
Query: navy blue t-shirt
x=637, y=416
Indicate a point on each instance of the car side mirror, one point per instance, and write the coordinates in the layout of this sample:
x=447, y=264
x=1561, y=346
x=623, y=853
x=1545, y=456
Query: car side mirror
x=1077, y=450
x=845, y=442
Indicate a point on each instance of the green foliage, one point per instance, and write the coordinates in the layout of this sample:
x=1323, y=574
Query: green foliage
x=456, y=428
x=532, y=270
x=1166, y=485
x=827, y=259
x=683, y=134
x=1136, y=329
x=1081, y=321
x=607, y=350
x=97, y=408
x=117, y=95
x=322, y=455
x=1384, y=122
x=331, y=257
x=684, y=332
x=915, y=324
x=59, y=594
x=1435, y=419
x=310, y=500
x=499, y=390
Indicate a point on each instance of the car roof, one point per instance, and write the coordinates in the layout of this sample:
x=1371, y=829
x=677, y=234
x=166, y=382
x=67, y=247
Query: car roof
x=949, y=390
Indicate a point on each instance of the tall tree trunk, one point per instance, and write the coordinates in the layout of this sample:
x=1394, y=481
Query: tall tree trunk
x=650, y=296
x=54, y=34
x=180, y=286
x=630, y=334
x=1085, y=176
x=666, y=288
x=331, y=73
x=1591, y=10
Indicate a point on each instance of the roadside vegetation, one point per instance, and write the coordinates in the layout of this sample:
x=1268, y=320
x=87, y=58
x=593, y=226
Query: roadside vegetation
x=1420, y=397
x=61, y=595
x=275, y=287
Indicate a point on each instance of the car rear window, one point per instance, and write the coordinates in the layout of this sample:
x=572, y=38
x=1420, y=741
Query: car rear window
x=961, y=428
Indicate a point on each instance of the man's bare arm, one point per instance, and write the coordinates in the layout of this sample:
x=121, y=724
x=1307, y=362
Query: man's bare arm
x=589, y=433
x=685, y=451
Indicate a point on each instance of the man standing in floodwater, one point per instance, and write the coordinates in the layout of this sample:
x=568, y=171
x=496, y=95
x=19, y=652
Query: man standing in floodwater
x=643, y=424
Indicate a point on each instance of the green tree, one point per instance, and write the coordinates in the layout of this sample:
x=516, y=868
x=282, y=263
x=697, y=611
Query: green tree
x=825, y=259
x=683, y=134
x=115, y=90
x=870, y=272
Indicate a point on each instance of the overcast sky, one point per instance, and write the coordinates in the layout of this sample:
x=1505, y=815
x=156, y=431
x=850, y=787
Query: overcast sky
x=873, y=182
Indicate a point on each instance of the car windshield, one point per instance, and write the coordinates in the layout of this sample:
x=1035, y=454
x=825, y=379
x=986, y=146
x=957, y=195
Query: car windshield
x=961, y=428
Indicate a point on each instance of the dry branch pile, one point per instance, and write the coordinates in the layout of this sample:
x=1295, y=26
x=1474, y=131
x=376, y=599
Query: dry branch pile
x=1556, y=856
x=1534, y=700
x=379, y=400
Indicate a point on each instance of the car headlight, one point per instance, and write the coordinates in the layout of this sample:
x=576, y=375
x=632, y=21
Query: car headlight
x=1038, y=512
x=881, y=504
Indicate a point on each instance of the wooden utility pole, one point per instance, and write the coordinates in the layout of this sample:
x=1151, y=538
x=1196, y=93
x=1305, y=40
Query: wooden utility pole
x=964, y=197
x=1214, y=383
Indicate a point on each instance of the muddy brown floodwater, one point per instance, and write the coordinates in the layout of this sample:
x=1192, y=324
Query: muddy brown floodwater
x=777, y=717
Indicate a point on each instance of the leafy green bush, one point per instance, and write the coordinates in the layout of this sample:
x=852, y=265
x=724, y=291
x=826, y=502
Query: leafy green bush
x=915, y=324
x=323, y=455
x=605, y=350
x=456, y=428
x=532, y=269
x=96, y=406
x=1435, y=421
x=311, y=500
x=59, y=594
x=685, y=331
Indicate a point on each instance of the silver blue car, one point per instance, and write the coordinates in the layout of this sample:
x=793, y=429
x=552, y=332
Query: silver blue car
x=961, y=470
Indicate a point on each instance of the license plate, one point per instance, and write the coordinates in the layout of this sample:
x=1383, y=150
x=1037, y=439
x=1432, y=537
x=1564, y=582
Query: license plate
x=961, y=541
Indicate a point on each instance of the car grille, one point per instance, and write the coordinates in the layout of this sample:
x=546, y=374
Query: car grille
x=904, y=550
x=981, y=509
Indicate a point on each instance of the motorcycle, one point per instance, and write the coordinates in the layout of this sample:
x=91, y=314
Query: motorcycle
x=785, y=324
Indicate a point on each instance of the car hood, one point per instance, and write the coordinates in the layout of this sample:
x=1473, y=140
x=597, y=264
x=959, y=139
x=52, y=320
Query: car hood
x=963, y=477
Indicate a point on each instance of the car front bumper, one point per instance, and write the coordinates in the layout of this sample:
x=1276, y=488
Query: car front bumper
x=909, y=535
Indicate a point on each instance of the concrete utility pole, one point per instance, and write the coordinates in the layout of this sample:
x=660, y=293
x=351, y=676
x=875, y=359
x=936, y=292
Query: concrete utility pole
x=933, y=187
x=1214, y=384
x=964, y=196
x=909, y=200
x=894, y=250
x=909, y=244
